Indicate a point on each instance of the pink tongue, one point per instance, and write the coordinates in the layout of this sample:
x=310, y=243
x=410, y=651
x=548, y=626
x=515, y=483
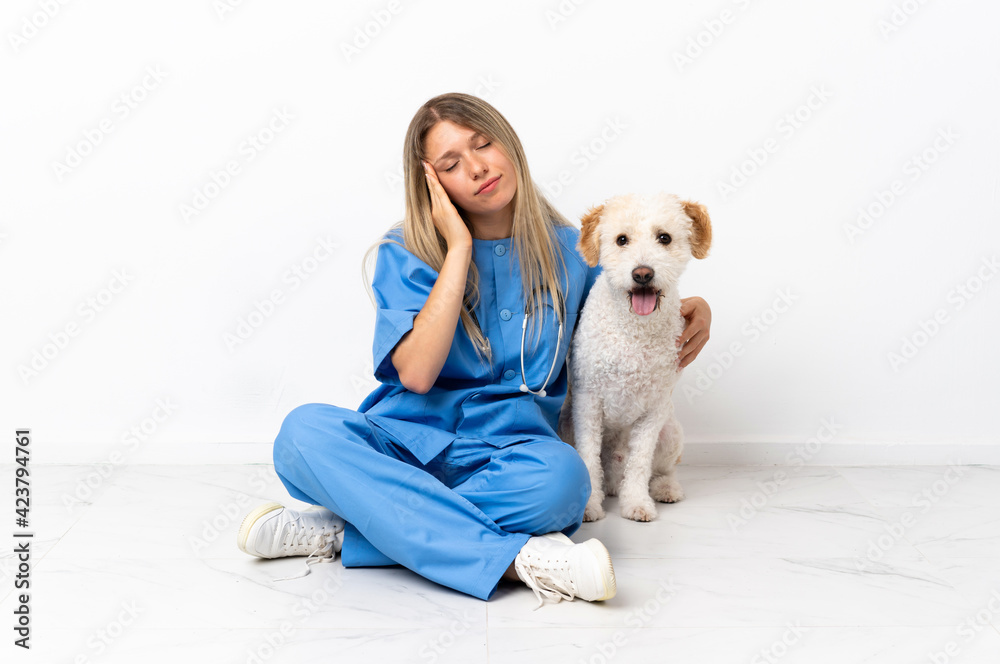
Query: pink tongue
x=643, y=301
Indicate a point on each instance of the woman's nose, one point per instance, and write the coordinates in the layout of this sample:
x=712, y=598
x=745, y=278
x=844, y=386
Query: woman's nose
x=478, y=166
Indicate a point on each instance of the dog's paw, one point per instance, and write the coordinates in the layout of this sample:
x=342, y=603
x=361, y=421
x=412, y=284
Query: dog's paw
x=666, y=489
x=643, y=511
x=593, y=512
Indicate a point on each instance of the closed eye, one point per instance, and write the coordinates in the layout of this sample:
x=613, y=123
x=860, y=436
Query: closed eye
x=456, y=163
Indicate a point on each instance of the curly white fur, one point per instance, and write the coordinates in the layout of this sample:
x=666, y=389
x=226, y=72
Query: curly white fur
x=623, y=364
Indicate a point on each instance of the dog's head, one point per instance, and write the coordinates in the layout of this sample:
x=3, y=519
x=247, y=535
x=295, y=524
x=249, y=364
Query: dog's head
x=643, y=243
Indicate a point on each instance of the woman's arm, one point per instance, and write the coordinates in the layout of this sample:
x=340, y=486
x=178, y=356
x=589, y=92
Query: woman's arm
x=695, y=334
x=421, y=353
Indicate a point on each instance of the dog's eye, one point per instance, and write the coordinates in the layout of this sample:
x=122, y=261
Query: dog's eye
x=622, y=240
x=664, y=238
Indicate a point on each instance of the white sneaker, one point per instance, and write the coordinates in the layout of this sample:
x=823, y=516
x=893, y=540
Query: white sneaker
x=556, y=570
x=559, y=537
x=275, y=531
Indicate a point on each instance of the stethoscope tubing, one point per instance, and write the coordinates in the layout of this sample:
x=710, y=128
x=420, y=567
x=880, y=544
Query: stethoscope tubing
x=524, y=386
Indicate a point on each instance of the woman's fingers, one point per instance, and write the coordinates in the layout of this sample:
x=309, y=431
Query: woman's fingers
x=443, y=212
x=432, y=183
x=436, y=191
x=698, y=318
x=692, y=327
x=690, y=350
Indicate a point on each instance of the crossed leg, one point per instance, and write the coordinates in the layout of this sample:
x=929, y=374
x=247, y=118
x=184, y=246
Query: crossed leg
x=459, y=521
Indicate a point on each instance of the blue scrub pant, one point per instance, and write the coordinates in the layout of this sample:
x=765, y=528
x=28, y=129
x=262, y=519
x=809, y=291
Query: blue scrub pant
x=459, y=520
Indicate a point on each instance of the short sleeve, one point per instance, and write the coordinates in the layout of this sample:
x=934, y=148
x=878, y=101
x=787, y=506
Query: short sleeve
x=402, y=284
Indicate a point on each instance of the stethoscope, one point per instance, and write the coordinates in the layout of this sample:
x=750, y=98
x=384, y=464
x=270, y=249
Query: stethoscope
x=524, y=386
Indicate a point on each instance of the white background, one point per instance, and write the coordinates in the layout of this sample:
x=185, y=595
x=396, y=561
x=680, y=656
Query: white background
x=563, y=75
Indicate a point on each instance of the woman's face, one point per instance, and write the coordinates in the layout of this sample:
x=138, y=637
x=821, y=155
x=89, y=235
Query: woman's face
x=464, y=162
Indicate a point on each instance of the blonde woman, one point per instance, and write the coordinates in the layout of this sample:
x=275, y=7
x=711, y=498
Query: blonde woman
x=452, y=467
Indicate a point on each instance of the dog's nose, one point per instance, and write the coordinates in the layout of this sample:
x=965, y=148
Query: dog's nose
x=642, y=275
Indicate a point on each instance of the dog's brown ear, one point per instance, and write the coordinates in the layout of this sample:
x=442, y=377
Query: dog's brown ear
x=589, y=241
x=701, y=230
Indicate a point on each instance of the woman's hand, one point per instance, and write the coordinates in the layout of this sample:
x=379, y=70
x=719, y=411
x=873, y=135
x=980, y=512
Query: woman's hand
x=443, y=212
x=695, y=334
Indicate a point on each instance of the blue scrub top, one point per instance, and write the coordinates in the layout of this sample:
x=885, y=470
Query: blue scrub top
x=471, y=399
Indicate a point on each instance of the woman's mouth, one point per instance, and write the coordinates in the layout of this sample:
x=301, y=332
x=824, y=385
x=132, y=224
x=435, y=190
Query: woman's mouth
x=489, y=186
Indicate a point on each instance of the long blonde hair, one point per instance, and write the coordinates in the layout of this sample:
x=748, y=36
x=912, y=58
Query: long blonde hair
x=533, y=235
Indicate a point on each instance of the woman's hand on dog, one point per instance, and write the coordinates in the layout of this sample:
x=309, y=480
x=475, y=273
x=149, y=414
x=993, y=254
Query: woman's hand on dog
x=695, y=335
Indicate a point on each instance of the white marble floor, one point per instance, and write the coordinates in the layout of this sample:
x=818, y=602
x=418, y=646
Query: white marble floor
x=758, y=564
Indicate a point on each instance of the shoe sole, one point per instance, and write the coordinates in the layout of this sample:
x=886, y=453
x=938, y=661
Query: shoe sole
x=246, y=527
x=607, y=570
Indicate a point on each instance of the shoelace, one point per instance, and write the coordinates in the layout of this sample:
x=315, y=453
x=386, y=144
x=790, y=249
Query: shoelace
x=323, y=552
x=541, y=582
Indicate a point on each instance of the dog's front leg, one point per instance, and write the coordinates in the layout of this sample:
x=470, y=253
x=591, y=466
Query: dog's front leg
x=665, y=487
x=588, y=427
x=636, y=504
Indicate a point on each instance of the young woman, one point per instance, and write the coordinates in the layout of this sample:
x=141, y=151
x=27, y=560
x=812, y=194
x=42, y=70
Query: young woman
x=453, y=467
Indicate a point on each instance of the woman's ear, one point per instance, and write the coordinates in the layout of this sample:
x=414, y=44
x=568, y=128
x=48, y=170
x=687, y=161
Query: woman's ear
x=589, y=244
x=701, y=229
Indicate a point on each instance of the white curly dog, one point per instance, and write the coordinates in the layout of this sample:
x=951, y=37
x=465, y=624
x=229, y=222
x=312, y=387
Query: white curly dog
x=623, y=361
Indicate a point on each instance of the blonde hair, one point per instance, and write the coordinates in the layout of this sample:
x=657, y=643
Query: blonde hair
x=533, y=235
